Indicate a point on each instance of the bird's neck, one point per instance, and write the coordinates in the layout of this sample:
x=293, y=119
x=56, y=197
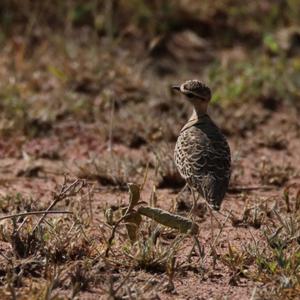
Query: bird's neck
x=197, y=115
x=199, y=110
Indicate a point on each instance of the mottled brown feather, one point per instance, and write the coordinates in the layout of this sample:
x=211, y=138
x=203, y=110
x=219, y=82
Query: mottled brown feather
x=202, y=156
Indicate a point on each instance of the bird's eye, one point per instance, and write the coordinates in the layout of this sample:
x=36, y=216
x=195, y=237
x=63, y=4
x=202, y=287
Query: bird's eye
x=190, y=95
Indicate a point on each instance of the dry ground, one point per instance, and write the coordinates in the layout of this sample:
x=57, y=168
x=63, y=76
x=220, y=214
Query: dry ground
x=79, y=122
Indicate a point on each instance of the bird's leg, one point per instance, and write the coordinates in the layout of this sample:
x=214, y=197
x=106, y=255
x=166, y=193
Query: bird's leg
x=182, y=190
x=212, y=215
x=180, y=193
x=195, y=199
x=196, y=245
x=211, y=220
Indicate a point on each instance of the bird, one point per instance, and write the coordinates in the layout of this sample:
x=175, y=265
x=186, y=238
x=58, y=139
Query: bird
x=202, y=154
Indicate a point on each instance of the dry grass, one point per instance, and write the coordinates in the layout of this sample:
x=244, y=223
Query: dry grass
x=92, y=101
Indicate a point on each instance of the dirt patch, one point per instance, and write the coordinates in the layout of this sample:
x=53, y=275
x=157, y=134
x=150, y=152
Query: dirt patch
x=262, y=173
x=86, y=114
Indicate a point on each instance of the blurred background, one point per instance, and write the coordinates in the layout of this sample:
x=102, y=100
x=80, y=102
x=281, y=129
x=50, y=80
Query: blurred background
x=79, y=78
x=72, y=59
x=85, y=91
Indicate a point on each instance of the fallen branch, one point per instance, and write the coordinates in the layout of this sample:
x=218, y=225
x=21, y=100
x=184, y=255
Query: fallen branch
x=34, y=213
x=184, y=225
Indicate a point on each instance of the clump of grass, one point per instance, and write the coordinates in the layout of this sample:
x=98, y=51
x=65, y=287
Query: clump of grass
x=167, y=174
x=272, y=260
x=38, y=246
x=238, y=261
x=12, y=111
x=110, y=170
x=252, y=216
x=14, y=203
x=81, y=278
x=242, y=81
x=274, y=174
x=66, y=241
x=274, y=140
x=150, y=253
x=18, y=116
x=148, y=250
x=153, y=18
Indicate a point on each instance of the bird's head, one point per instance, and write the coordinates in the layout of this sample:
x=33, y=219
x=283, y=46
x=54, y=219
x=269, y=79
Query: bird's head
x=194, y=90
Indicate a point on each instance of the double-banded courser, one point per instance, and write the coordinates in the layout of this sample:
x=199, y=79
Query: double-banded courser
x=202, y=154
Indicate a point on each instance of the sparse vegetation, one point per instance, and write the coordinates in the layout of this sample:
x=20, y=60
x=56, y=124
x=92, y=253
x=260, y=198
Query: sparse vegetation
x=86, y=108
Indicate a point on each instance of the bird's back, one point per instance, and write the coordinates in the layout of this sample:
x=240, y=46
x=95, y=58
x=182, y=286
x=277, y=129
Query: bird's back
x=202, y=156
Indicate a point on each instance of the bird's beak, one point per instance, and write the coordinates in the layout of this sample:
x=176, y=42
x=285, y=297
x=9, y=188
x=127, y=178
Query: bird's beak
x=176, y=87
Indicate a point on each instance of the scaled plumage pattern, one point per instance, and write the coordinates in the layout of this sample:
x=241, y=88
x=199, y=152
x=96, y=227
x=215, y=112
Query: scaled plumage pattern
x=202, y=154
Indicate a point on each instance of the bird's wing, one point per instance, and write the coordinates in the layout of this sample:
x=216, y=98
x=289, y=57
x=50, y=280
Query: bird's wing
x=206, y=163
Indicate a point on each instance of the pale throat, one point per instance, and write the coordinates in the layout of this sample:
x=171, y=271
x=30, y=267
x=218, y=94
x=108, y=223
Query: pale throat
x=199, y=110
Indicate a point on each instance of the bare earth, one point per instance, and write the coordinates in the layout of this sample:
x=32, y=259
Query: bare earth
x=250, y=154
x=94, y=128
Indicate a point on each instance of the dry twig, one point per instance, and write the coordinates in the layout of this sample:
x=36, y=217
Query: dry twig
x=29, y=213
x=65, y=192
